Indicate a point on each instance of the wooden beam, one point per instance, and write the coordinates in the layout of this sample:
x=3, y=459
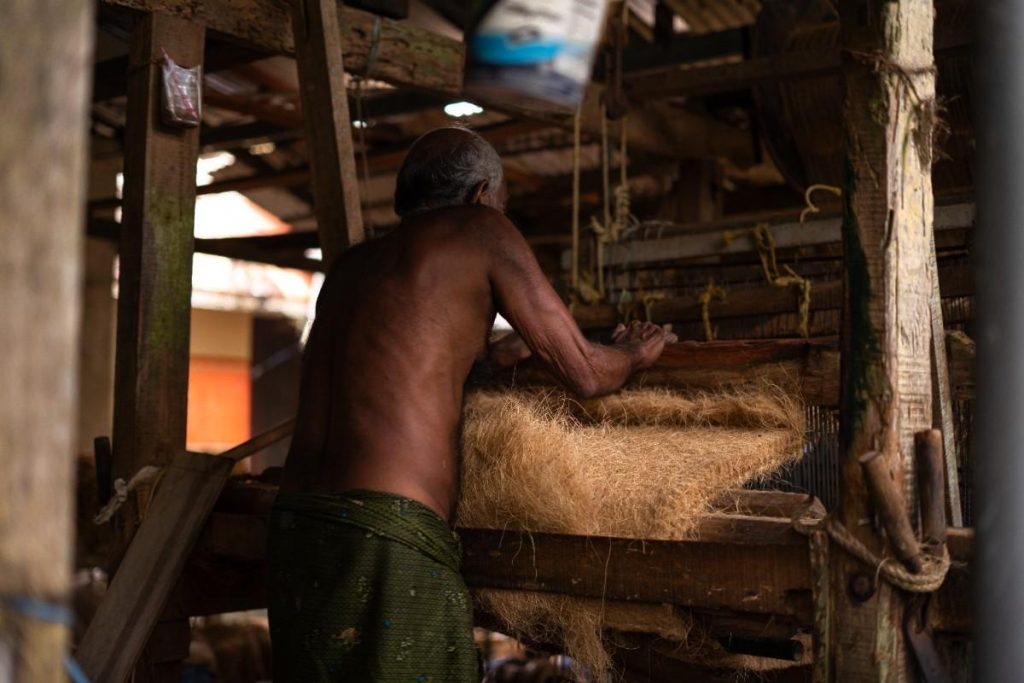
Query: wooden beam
x=155, y=276
x=697, y=243
x=956, y=281
x=809, y=366
x=888, y=209
x=110, y=77
x=673, y=81
x=318, y=53
x=45, y=57
x=403, y=55
x=151, y=379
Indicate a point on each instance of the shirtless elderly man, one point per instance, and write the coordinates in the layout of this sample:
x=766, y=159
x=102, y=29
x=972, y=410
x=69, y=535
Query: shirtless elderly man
x=364, y=563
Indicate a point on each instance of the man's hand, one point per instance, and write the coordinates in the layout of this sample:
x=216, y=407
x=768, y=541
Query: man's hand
x=644, y=342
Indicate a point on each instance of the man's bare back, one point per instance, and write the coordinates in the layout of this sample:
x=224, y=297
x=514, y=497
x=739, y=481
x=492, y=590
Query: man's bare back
x=400, y=322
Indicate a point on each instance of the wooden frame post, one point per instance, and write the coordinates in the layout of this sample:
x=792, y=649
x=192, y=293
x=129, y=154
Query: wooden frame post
x=45, y=74
x=155, y=282
x=339, y=218
x=889, y=117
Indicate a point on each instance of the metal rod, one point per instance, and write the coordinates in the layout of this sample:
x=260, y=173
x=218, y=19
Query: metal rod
x=999, y=243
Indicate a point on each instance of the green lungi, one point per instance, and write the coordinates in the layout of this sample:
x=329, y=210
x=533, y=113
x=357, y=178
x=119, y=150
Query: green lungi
x=365, y=586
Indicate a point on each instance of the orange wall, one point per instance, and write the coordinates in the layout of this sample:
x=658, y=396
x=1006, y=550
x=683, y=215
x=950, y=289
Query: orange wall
x=219, y=380
x=219, y=400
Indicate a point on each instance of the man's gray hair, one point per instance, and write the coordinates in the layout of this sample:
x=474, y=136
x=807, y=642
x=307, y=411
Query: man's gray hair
x=442, y=168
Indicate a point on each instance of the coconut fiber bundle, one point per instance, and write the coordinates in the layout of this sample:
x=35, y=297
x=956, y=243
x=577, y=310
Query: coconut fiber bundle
x=643, y=463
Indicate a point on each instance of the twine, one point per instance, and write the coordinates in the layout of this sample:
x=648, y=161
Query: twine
x=711, y=292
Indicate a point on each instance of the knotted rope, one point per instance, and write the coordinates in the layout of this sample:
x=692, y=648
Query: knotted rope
x=930, y=579
x=150, y=474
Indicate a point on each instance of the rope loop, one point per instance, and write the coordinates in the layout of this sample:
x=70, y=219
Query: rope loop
x=929, y=580
x=808, y=198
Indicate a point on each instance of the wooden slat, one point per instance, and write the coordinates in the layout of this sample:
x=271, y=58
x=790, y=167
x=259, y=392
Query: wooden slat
x=405, y=55
x=760, y=566
x=318, y=53
x=810, y=367
x=956, y=281
x=712, y=242
x=188, y=491
x=45, y=53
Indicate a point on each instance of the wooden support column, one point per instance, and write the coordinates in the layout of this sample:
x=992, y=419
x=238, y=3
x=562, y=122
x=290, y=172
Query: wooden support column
x=96, y=350
x=45, y=73
x=318, y=42
x=889, y=115
x=155, y=281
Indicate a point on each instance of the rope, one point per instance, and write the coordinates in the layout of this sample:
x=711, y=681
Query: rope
x=809, y=193
x=374, y=53
x=648, y=299
x=711, y=292
x=575, y=277
x=764, y=241
x=933, y=572
x=150, y=474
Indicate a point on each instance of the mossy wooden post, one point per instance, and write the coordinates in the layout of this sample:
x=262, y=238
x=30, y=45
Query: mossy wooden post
x=45, y=73
x=889, y=116
x=315, y=24
x=155, y=280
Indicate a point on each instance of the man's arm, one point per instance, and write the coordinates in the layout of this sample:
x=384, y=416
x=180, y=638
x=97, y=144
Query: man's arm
x=526, y=299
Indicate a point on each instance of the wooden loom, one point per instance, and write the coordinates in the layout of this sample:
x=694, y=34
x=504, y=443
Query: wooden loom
x=750, y=573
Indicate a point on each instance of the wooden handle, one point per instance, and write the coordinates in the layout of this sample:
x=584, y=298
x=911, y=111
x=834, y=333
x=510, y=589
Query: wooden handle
x=891, y=509
x=928, y=453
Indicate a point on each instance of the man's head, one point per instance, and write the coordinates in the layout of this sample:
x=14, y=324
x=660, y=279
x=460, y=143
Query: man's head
x=449, y=167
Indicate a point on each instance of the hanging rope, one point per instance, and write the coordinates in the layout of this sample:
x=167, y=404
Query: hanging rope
x=932, y=574
x=574, y=283
x=808, y=198
x=764, y=241
x=711, y=293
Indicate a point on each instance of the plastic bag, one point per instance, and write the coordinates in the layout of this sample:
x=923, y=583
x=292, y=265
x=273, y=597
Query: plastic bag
x=180, y=94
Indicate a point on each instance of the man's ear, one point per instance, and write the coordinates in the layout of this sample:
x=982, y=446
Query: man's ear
x=479, y=191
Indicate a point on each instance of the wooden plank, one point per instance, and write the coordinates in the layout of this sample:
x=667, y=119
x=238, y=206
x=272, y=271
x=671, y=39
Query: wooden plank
x=188, y=491
x=957, y=281
x=810, y=367
x=760, y=568
x=732, y=76
x=138, y=592
x=889, y=83
x=45, y=68
x=698, y=244
x=318, y=53
x=404, y=55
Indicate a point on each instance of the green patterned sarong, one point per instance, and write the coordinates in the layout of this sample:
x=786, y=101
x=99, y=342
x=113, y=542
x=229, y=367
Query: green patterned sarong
x=365, y=587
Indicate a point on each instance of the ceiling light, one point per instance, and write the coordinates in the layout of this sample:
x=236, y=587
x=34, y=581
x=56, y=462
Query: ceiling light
x=460, y=109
